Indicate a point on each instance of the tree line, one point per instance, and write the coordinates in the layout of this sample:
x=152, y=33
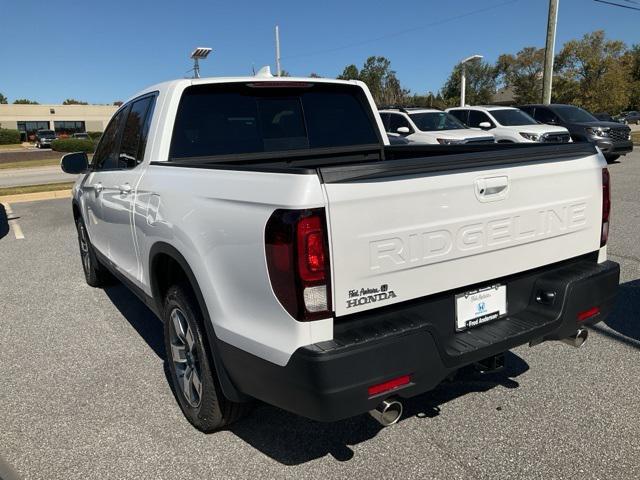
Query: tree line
x=593, y=72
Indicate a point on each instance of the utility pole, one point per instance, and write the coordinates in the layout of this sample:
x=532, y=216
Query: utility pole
x=549, y=51
x=278, y=69
x=463, y=77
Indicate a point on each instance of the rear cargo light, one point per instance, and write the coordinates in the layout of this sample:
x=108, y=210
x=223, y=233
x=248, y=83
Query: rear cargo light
x=389, y=385
x=606, y=206
x=296, y=248
x=587, y=314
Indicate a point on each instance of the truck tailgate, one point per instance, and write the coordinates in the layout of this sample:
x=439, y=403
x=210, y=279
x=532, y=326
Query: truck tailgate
x=402, y=236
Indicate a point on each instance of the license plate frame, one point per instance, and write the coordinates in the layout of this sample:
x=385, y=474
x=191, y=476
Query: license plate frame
x=479, y=306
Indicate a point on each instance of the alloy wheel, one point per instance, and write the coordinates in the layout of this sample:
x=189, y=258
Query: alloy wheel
x=84, y=248
x=184, y=356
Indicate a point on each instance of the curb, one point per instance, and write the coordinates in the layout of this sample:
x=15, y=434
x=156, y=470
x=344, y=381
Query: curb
x=36, y=197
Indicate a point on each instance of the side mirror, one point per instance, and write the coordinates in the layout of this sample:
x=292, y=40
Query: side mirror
x=75, y=163
x=484, y=125
x=403, y=130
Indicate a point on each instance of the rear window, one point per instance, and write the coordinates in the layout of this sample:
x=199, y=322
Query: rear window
x=240, y=118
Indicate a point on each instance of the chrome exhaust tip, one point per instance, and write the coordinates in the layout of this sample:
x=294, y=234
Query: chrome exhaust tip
x=577, y=339
x=388, y=412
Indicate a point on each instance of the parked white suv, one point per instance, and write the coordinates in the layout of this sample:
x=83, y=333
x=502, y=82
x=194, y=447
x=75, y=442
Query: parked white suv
x=431, y=126
x=509, y=124
x=296, y=257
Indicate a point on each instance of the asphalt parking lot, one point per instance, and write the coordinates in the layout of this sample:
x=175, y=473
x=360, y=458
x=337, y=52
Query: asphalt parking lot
x=84, y=395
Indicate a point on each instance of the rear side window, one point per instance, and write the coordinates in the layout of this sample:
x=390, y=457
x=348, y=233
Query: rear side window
x=256, y=118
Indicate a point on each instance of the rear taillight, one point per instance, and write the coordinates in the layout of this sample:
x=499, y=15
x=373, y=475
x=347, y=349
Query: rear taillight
x=297, y=252
x=606, y=206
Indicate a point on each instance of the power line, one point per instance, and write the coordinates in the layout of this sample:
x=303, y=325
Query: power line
x=619, y=5
x=401, y=32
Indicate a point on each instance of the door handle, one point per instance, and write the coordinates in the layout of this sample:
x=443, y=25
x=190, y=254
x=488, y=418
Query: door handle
x=98, y=187
x=492, y=188
x=125, y=189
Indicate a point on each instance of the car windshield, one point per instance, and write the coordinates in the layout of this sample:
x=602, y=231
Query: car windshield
x=46, y=133
x=570, y=113
x=512, y=117
x=433, y=121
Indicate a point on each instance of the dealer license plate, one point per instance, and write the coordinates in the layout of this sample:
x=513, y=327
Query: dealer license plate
x=480, y=306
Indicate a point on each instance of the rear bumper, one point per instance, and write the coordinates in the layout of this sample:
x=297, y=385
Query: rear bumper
x=330, y=381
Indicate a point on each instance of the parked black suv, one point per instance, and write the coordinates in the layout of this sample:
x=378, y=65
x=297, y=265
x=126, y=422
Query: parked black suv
x=614, y=139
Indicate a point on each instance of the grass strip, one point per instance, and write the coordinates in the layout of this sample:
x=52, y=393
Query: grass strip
x=41, y=162
x=47, y=187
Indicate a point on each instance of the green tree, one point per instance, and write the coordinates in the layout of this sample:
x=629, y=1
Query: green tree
x=480, y=85
x=314, y=75
x=284, y=73
x=594, y=73
x=24, y=101
x=350, y=72
x=523, y=71
x=3, y=99
x=381, y=80
x=633, y=61
x=73, y=101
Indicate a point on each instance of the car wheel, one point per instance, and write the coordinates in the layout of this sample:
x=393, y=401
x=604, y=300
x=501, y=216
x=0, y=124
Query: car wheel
x=94, y=272
x=195, y=383
x=611, y=158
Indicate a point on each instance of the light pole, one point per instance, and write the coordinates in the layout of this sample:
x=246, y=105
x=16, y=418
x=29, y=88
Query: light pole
x=463, y=80
x=278, y=68
x=552, y=23
x=199, y=53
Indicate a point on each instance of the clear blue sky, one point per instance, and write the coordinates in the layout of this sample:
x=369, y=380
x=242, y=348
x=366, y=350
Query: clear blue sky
x=105, y=51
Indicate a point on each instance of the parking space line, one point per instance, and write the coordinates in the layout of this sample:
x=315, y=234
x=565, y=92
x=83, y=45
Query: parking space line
x=13, y=222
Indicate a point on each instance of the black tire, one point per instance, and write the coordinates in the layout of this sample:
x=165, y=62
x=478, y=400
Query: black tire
x=94, y=272
x=611, y=158
x=190, y=364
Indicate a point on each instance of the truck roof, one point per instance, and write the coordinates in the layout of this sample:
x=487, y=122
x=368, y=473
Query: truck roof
x=183, y=82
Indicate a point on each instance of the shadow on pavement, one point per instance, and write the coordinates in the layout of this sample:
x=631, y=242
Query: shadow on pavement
x=148, y=326
x=6, y=472
x=292, y=440
x=4, y=222
x=625, y=319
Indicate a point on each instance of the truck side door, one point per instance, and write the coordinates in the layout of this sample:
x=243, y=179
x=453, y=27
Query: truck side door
x=104, y=160
x=120, y=187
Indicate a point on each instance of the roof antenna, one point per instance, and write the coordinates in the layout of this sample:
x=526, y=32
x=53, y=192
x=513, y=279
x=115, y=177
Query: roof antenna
x=264, y=72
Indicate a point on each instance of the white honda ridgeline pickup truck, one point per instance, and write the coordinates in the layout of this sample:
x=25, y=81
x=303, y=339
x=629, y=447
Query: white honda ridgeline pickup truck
x=297, y=258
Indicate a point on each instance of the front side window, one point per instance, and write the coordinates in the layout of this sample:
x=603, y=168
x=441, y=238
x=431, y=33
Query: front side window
x=396, y=121
x=460, y=115
x=106, y=156
x=434, y=121
x=134, y=136
x=511, y=117
x=263, y=117
x=476, y=118
x=544, y=115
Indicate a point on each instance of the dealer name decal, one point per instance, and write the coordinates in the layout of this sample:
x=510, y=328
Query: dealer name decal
x=369, y=295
